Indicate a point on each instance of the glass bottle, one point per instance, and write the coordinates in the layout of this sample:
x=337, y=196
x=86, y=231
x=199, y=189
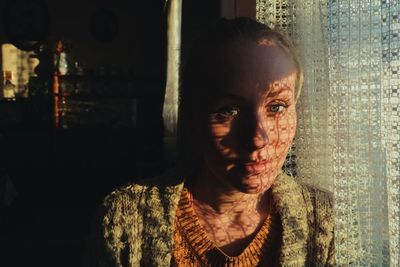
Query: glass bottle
x=61, y=62
x=8, y=87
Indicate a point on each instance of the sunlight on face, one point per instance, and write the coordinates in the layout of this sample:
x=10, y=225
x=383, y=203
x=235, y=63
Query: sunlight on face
x=252, y=118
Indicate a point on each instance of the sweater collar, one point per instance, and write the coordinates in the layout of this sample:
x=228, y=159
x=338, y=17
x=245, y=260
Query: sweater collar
x=290, y=204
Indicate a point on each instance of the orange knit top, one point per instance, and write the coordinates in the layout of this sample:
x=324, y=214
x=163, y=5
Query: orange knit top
x=192, y=246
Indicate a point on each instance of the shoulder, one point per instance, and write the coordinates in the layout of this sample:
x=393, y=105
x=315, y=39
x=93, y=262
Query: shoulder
x=121, y=196
x=126, y=209
x=320, y=199
x=308, y=210
x=321, y=220
x=161, y=186
x=290, y=189
x=127, y=205
x=320, y=205
x=292, y=193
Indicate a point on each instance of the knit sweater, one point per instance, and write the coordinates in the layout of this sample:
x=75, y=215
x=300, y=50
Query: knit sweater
x=135, y=224
x=193, y=247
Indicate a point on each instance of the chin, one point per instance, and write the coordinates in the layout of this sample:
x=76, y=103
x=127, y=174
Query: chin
x=253, y=185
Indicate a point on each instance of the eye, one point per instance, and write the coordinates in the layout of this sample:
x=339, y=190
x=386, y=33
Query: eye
x=277, y=108
x=227, y=112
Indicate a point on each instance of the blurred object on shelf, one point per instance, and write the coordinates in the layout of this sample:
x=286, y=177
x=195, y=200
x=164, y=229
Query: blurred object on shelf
x=45, y=67
x=40, y=85
x=60, y=59
x=64, y=93
x=21, y=64
x=22, y=91
x=9, y=89
x=105, y=113
x=93, y=101
x=79, y=68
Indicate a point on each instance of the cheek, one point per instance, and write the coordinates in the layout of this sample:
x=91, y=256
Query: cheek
x=282, y=134
x=287, y=128
x=218, y=133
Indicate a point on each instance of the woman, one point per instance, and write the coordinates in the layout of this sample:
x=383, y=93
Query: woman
x=229, y=204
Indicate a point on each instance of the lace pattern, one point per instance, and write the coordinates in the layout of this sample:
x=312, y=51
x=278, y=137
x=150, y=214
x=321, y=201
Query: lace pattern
x=349, y=117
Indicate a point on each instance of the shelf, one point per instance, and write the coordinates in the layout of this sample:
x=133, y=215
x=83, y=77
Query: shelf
x=102, y=96
x=102, y=79
x=93, y=87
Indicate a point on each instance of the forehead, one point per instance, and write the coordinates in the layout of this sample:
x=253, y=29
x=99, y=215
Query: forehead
x=248, y=66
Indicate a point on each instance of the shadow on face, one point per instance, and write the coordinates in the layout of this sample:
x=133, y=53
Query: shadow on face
x=249, y=109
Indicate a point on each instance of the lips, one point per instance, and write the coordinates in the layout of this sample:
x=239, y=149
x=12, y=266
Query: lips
x=256, y=166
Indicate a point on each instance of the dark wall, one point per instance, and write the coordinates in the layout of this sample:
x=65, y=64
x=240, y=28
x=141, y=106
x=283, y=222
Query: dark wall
x=136, y=54
x=138, y=44
x=61, y=176
x=197, y=17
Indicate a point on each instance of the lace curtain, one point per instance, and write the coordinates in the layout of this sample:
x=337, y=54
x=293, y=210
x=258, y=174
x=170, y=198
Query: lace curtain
x=348, y=137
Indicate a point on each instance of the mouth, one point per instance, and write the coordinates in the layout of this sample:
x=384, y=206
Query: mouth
x=256, y=167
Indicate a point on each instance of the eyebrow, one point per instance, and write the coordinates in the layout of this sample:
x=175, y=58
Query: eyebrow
x=242, y=99
x=278, y=92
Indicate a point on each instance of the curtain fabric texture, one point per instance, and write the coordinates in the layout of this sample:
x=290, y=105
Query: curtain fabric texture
x=170, y=107
x=171, y=97
x=348, y=137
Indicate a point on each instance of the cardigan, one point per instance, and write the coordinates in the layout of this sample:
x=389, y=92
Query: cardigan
x=135, y=224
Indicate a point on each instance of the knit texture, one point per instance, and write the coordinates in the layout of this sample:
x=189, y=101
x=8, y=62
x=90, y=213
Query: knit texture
x=193, y=247
x=135, y=224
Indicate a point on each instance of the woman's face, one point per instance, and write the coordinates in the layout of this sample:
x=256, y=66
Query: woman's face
x=251, y=115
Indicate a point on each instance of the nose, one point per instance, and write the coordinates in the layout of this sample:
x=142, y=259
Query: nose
x=255, y=132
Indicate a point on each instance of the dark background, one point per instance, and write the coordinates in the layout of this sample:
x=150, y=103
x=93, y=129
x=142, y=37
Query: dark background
x=61, y=175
